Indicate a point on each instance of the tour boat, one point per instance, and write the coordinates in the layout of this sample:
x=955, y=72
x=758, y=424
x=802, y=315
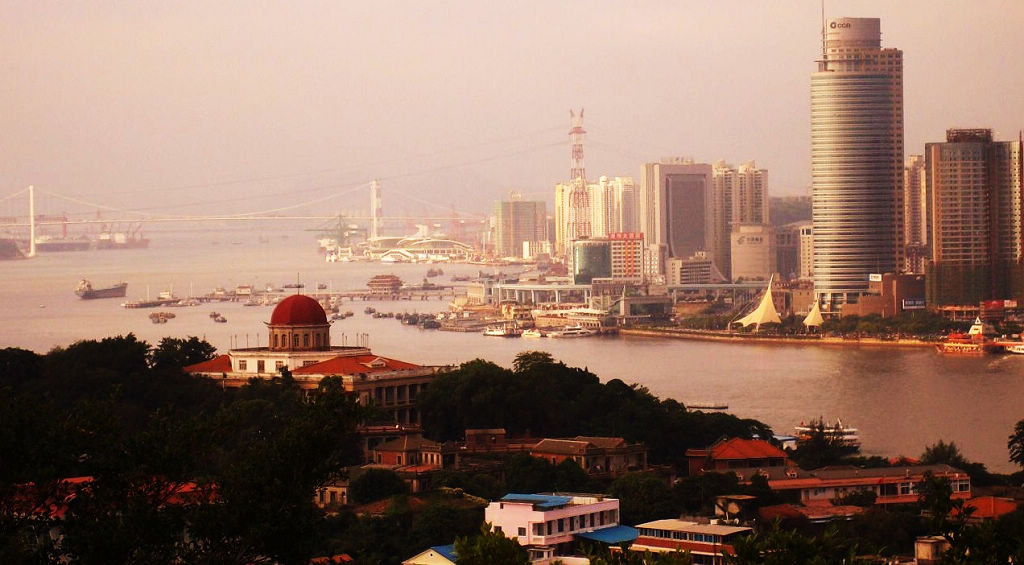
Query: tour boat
x=976, y=341
x=837, y=432
x=534, y=333
x=573, y=331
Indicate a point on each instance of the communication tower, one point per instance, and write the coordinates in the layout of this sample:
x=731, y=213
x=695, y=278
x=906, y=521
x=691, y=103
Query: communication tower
x=579, y=200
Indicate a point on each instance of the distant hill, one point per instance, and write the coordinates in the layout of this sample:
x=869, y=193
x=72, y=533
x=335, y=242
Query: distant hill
x=788, y=209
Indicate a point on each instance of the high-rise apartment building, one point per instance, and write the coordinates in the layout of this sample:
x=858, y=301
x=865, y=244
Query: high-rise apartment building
x=676, y=206
x=856, y=159
x=612, y=206
x=915, y=205
x=740, y=196
x=974, y=186
x=518, y=221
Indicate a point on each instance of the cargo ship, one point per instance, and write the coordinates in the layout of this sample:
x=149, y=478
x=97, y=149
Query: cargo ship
x=85, y=291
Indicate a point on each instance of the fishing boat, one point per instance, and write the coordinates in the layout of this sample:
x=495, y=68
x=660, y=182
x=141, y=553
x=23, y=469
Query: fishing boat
x=85, y=290
x=506, y=329
x=572, y=331
x=837, y=432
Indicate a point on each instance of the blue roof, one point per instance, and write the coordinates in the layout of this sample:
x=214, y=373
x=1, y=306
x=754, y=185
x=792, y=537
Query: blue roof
x=542, y=501
x=611, y=535
x=448, y=551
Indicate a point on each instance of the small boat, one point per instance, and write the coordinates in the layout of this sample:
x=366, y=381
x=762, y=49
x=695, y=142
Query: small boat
x=534, y=332
x=85, y=291
x=369, y=310
x=572, y=331
x=321, y=286
x=836, y=432
x=294, y=285
x=428, y=323
x=507, y=329
x=220, y=319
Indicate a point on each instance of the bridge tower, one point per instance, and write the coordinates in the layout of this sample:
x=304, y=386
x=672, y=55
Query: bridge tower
x=375, y=208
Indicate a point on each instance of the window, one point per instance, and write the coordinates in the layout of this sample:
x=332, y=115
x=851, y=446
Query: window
x=295, y=340
x=242, y=365
x=305, y=340
x=278, y=365
x=261, y=366
x=561, y=525
x=522, y=531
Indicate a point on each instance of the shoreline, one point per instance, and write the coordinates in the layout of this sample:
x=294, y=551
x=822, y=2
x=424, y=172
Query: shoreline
x=709, y=335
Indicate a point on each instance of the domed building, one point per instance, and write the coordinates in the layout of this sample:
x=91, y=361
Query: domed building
x=299, y=340
x=299, y=323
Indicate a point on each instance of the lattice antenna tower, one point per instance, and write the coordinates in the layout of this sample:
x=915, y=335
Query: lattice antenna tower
x=579, y=200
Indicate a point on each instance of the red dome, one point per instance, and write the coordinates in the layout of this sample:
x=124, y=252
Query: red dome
x=299, y=310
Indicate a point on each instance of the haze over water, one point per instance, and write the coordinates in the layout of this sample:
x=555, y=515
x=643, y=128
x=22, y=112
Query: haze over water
x=901, y=400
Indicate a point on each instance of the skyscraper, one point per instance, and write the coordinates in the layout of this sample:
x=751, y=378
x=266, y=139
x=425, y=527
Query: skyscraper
x=856, y=159
x=976, y=193
x=676, y=206
x=915, y=215
x=740, y=198
x=518, y=221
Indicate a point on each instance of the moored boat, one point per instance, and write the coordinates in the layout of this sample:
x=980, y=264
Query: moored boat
x=507, y=329
x=572, y=331
x=534, y=332
x=85, y=290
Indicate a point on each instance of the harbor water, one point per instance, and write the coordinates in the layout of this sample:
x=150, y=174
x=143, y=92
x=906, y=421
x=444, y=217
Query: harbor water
x=901, y=400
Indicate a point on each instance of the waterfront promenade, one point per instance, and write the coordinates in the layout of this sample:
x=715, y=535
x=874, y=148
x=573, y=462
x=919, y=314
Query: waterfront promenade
x=747, y=337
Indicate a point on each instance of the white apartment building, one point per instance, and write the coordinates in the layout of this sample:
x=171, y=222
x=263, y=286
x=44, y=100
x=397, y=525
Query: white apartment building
x=545, y=523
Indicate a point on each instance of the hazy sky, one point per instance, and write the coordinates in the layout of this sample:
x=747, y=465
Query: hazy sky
x=185, y=107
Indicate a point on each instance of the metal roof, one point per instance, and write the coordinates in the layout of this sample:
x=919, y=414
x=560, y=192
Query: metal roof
x=611, y=535
x=541, y=501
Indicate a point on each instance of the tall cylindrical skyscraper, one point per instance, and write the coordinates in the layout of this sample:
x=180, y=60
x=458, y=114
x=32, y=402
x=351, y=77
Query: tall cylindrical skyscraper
x=856, y=159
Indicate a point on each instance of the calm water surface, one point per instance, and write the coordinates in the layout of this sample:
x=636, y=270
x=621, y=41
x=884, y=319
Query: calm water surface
x=901, y=401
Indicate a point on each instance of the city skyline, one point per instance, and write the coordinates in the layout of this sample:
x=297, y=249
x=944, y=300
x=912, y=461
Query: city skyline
x=158, y=107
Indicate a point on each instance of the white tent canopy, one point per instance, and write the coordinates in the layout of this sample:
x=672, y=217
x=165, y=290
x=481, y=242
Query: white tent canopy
x=765, y=312
x=814, y=318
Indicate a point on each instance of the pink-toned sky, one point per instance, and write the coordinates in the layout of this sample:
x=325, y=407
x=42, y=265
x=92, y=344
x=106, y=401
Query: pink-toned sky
x=185, y=106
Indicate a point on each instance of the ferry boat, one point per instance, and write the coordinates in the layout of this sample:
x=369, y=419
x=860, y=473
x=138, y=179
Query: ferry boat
x=572, y=331
x=977, y=341
x=1017, y=347
x=837, y=432
x=85, y=291
x=534, y=332
x=507, y=329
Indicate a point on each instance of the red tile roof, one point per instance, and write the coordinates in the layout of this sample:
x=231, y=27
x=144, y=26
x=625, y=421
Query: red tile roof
x=406, y=443
x=737, y=448
x=353, y=365
x=219, y=364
